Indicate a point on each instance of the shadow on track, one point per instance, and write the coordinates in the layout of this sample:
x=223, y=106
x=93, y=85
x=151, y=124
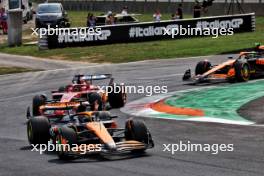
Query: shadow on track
x=99, y=158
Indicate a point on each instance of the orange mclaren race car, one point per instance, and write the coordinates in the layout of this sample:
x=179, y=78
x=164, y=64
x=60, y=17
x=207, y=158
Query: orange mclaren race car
x=110, y=96
x=53, y=112
x=247, y=65
x=90, y=132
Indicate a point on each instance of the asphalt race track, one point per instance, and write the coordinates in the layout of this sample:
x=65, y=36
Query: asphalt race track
x=16, y=157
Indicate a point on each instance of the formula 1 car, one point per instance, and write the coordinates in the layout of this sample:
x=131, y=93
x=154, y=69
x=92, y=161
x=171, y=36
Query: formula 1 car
x=96, y=129
x=83, y=89
x=52, y=112
x=247, y=65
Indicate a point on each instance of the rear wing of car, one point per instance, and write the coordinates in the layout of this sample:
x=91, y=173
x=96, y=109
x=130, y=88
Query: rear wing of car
x=77, y=78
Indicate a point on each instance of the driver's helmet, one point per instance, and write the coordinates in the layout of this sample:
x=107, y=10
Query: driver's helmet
x=84, y=81
x=70, y=88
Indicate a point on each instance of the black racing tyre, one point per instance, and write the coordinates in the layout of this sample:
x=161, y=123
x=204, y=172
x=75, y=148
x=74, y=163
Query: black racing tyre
x=137, y=130
x=117, y=96
x=61, y=89
x=93, y=98
x=70, y=136
x=38, y=130
x=28, y=17
x=242, y=71
x=38, y=101
x=202, y=67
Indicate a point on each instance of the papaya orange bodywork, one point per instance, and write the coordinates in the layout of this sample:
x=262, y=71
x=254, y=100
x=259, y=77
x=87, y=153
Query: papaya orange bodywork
x=99, y=129
x=218, y=67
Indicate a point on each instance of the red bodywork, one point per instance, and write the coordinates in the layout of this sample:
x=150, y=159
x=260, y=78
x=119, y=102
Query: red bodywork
x=77, y=91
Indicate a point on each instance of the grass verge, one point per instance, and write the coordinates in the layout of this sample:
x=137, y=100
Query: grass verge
x=11, y=70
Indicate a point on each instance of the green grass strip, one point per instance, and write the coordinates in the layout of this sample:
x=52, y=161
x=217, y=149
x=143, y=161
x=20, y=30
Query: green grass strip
x=220, y=102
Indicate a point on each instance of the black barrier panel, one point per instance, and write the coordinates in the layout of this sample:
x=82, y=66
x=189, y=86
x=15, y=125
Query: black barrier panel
x=149, y=31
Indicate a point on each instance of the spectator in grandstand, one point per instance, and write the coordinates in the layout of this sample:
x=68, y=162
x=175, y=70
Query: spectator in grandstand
x=173, y=17
x=3, y=20
x=179, y=13
x=197, y=10
x=87, y=19
x=91, y=20
x=157, y=16
x=204, y=6
x=110, y=19
x=124, y=10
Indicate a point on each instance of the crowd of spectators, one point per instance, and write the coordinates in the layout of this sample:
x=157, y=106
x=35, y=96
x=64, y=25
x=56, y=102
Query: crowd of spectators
x=198, y=9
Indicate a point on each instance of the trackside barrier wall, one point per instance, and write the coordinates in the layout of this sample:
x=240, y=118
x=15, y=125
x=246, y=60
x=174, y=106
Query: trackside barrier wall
x=149, y=31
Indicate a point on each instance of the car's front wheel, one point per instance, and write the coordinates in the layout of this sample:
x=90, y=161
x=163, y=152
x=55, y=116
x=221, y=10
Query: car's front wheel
x=242, y=71
x=137, y=130
x=38, y=130
x=116, y=96
x=38, y=101
x=202, y=67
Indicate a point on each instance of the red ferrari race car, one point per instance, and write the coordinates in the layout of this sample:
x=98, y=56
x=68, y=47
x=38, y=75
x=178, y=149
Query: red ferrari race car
x=82, y=89
x=248, y=65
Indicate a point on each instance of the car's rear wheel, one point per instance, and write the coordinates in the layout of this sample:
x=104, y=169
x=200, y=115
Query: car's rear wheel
x=242, y=71
x=95, y=101
x=117, y=97
x=38, y=101
x=202, y=67
x=137, y=130
x=38, y=130
x=66, y=139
